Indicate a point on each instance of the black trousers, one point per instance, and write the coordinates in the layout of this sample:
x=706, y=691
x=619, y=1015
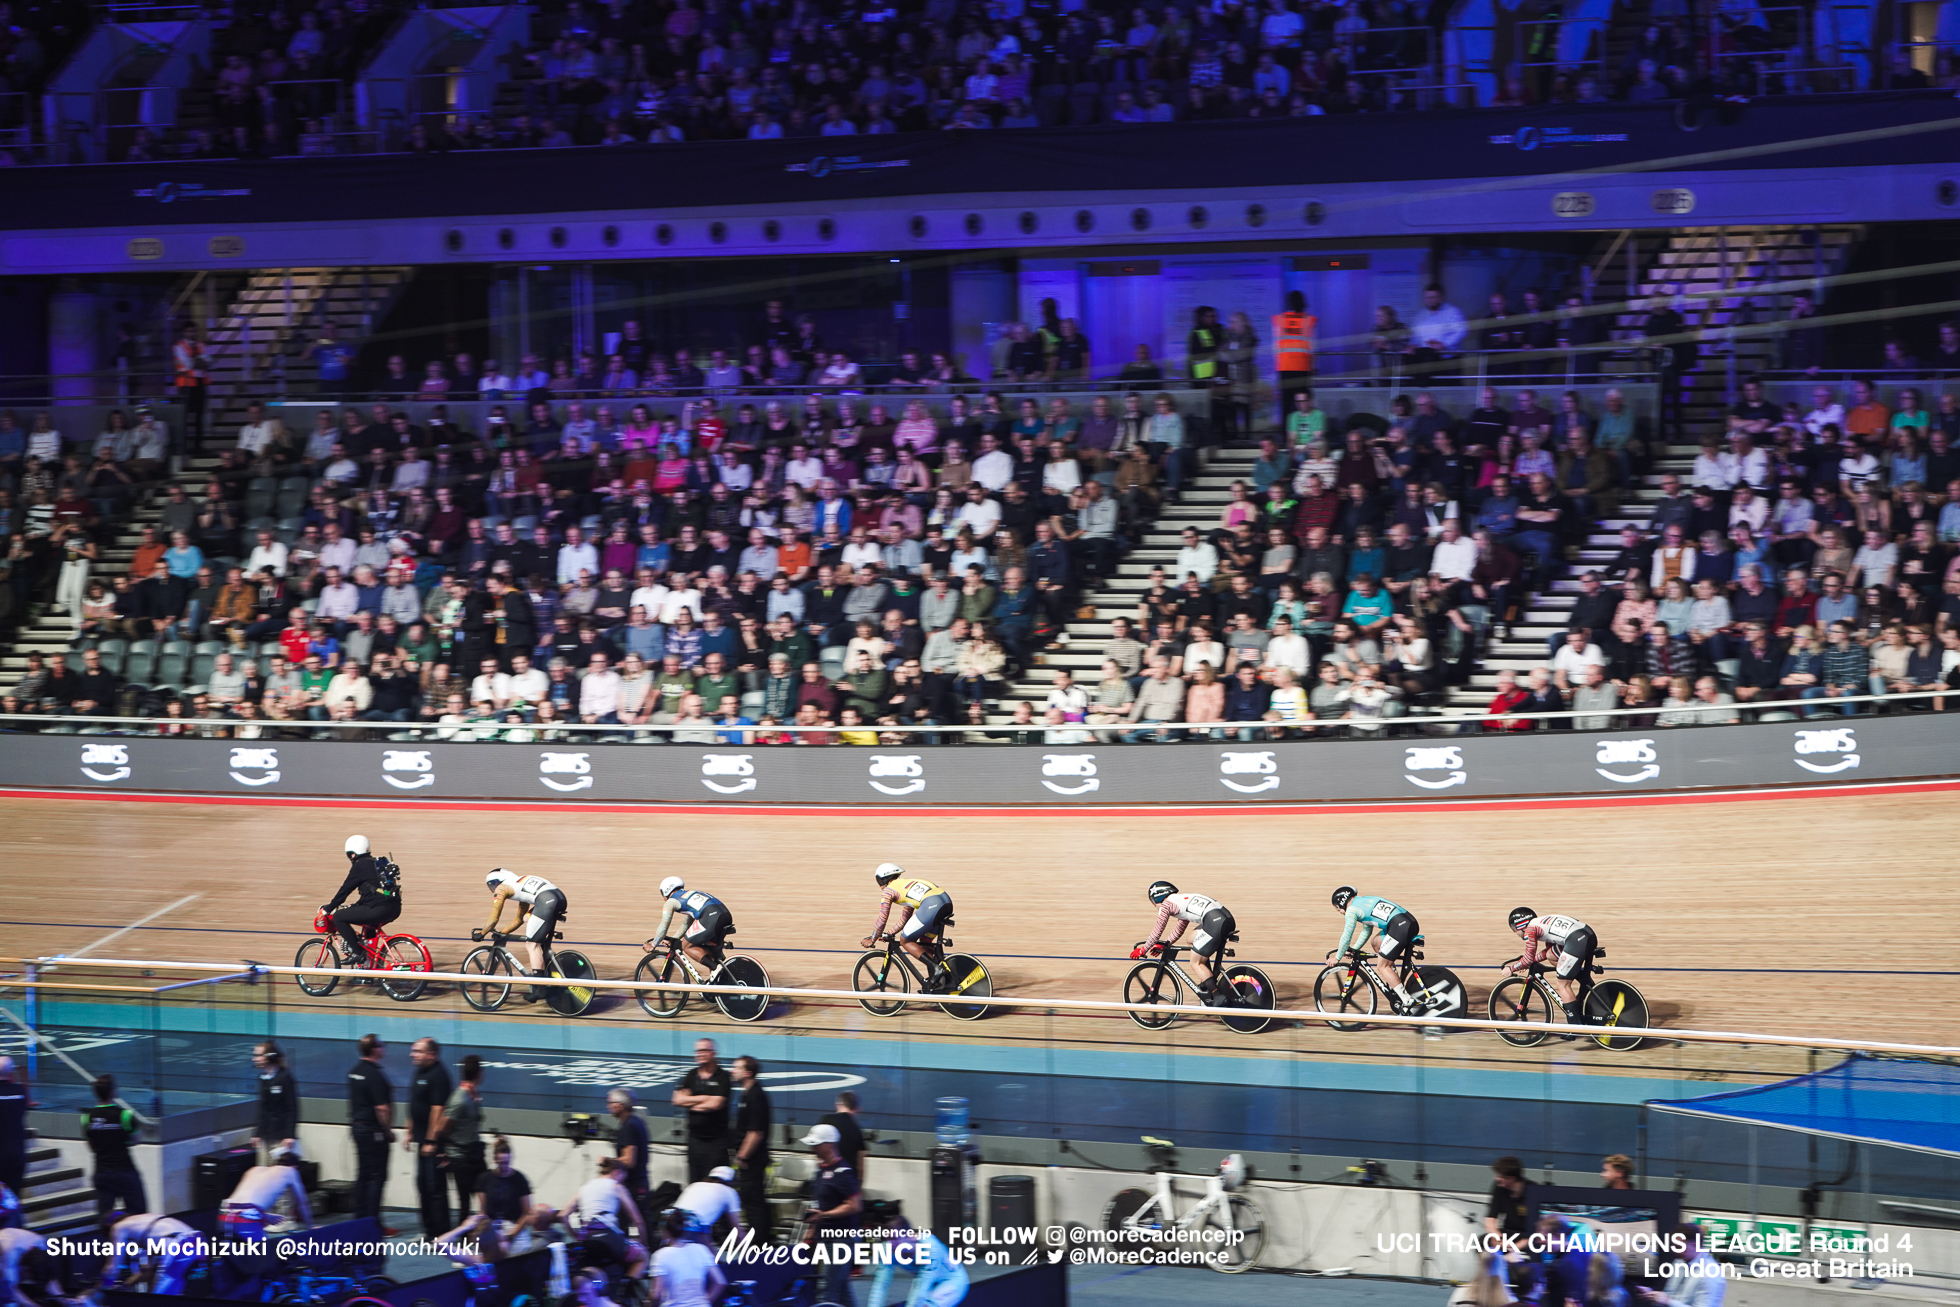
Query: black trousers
x=466, y=1170
x=432, y=1189
x=113, y=1187
x=752, y=1186
x=371, y=1170
x=703, y=1156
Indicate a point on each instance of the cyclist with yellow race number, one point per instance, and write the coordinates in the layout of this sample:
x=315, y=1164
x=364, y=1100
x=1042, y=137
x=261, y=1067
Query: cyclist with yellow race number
x=923, y=910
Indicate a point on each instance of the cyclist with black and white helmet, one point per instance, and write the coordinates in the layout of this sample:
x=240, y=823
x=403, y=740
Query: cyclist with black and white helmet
x=1568, y=939
x=923, y=910
x=1393, y=926
x=541, y=906
x=710, y=921
x=376, y=885
x=1213, y=919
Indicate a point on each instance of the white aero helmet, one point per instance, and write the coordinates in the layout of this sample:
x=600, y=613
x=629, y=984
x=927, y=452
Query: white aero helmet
x=500, y=877
x=671, y=886
x=888, y=872
x=1231, y=1171
x=357, y=846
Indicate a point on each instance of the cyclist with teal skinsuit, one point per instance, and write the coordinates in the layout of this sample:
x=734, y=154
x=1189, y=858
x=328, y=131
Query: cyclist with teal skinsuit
x=1393, y=927
x=937, y=1280
x=712, y=922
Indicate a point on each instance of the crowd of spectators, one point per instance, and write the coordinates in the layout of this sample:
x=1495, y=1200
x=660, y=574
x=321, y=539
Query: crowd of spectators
x=688, y=70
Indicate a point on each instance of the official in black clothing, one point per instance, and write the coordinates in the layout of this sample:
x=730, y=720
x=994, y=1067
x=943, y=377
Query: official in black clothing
x=850, y=1138
x=371, y=1120
x=108, y=1127
x=752, y=1119
x=629, y=1143
x=705, y=1093
x=277, y=1128
x=836, y=1199
x=427, y=1092
x=379, y=898
x=13, y=1127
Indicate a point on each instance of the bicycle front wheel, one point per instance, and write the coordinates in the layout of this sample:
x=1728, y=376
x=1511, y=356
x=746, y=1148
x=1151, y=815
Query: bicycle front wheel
x=1342, y=989
x=1518, y=998
x=743, y=1007
x=1240, y=1240
x=966, y=974
x=401, y=958
x=1616, y=1003
x=490, y=993
x=572, y=1000
x=317, y=956
x=665, y=967
x=1151, y=983
x=1251, y=993
x=879, y=972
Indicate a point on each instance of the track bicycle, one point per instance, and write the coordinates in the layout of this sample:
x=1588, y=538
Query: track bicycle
x=891, y=970
x=1604, y=1003
x=1234, y=1226
x=1245, y=995
x=668, y=962
x=1349, y=985
x=501, y=972
x=394, y=959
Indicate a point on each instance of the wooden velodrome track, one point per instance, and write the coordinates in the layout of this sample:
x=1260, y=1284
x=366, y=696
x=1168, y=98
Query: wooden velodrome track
x=1818, y=915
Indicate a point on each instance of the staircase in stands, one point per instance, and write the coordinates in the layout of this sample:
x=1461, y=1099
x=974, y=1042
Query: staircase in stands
x=256, y=350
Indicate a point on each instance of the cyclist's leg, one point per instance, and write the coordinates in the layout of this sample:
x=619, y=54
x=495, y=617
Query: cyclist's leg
x=539, y=924
x=349, y=920
x=1575, y=965
x=1392, y=951
x=1208, y=945
x=918, y=935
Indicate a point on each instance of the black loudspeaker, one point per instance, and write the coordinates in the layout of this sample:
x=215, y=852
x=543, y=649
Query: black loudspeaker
x=1010, y=1202
x=950, y=1172
x=215, y=1175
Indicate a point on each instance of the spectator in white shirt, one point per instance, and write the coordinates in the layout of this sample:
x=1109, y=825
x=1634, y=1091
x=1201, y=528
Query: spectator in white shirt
x=338, y=598
x=1874, y=563
x=861, y=549
x=1573, y=657
x=259, y=431
x=1197, y=558
x=412, y=473
x=1715, y=468
x=491, y=686
x=840, y=372
x=400, y=600
x=682, y=596
x=994, y=467
x=1067, y=697
x=1439, y=327
x=337, y=551
x=802, y=469
x=1751, y=463
x=1291, y=650
x=598, y=693
x=349, y=685
x=1825, y=411
x=576, y=556
x=1455, y=557
x=980, y=513
x=1748, y=507
x=528, y=684
x=759, y=556
x=268, y=552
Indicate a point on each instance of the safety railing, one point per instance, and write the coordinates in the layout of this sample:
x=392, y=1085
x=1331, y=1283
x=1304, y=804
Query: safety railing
x=1549, y=43
x=491, y=729
x=1779, y=58
x=1001, y=1003
x=310, y=103
x=1360, y=59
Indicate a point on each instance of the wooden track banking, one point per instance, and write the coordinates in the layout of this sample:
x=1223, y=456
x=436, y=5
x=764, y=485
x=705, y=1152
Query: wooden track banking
x=1791, y=905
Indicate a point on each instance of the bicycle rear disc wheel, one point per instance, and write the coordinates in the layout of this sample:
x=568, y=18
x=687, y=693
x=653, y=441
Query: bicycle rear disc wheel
x=966, y=974
x=317, y=955
x=743, y=1007
x=401, y=957
x=662, y=1003
x=878, y=972
x=490, y=993
x=1239, y=1250
x=1616, y=1003
x=1252, y=992
x=1343, y=989
x=1517, y=998
x=1441, y=992
x=572, y=1000
x=1150, y=983
x=1122, y=1209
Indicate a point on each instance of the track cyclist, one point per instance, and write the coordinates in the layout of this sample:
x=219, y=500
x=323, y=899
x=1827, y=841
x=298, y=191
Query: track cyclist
x=541, y=905
x=1393, y=926
x=709, y=920
x=1213, y=919
x=937, y=1280
x=1569, y=940
x=376, y=883
x=928, y=908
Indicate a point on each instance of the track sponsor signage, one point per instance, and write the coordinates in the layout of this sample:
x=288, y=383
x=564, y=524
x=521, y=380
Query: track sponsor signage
x=1467, y=767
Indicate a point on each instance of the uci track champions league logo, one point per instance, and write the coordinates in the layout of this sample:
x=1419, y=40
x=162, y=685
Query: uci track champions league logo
x=108, y=763
x=1842, y=740
x=1259, y=764
x=255, y=767
x=565, y=764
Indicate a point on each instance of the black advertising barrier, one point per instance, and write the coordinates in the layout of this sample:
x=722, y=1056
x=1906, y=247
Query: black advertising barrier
x=1825, y=750
x=1800, y=132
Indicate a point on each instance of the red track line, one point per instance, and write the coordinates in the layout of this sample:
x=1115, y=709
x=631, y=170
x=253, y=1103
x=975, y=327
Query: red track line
x=1155, y=810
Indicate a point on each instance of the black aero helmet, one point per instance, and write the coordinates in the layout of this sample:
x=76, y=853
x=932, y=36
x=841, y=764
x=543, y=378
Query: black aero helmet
x=1343, y=896
x=1519, y=916
x=1161, y=890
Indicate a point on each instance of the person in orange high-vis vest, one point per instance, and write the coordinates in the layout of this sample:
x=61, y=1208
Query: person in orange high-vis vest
x=1293, y=350
x=193, y=383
